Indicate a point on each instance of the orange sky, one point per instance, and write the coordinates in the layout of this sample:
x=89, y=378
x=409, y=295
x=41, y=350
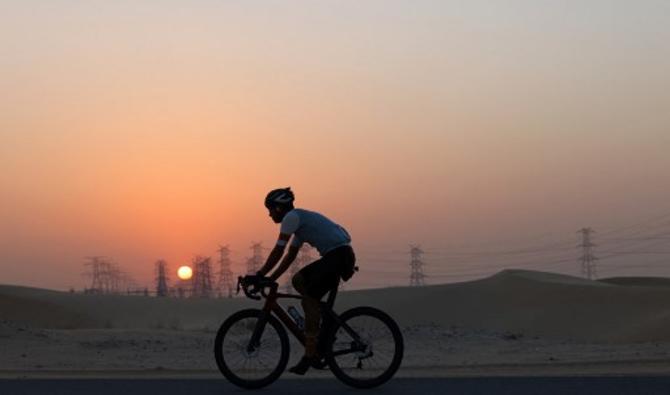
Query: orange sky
x=141, y=131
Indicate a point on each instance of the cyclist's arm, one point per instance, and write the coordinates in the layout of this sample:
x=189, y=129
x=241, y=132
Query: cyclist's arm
x=275, y=255
x=286, y=262
x=289, y=225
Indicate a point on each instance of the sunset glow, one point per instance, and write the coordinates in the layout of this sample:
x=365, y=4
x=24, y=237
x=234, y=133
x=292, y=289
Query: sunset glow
x=138, y=130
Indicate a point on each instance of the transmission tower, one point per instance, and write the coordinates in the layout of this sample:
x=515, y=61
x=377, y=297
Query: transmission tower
x=255, y=262
x=304, y=258
x=94, y=271
x=225, y=276
x=588, y=259
x=202, y=277
x=416, y=265
x=161, y=279
x=115, y=277
x=105, y=276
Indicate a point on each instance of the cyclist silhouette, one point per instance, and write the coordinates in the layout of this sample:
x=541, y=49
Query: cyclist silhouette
x=314, y=280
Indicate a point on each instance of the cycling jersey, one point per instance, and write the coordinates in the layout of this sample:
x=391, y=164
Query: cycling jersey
x=314, y=229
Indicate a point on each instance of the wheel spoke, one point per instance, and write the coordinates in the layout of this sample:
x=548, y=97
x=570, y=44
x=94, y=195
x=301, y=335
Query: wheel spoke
x=379, y=354
x=263, y=363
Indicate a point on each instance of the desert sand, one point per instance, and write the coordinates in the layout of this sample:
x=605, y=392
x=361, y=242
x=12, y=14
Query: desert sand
x=514, y=322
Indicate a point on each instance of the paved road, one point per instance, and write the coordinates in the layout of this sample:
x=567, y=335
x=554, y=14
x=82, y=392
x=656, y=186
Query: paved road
x=460, y=386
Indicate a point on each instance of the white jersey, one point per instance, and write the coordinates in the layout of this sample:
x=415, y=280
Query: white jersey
x=314, y=229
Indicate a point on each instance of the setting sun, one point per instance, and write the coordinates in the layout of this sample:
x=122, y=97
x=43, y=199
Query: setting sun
x=184, y=273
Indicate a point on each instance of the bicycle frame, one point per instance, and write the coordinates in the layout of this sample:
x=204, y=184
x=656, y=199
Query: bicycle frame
x=329, y=317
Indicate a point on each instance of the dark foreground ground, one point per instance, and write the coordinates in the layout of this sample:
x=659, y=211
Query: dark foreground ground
x=491, y=385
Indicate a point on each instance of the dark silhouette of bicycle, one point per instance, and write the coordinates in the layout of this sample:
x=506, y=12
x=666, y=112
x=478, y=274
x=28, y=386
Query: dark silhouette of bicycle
x=363, y=346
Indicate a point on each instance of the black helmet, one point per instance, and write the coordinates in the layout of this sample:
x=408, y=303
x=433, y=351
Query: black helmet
x=279, y=197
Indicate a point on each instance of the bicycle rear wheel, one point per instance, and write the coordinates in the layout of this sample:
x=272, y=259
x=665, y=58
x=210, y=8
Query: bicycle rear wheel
x=251, y=366
x=366, y=349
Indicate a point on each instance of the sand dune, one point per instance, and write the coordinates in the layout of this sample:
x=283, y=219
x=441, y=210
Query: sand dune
x=638, y=281
x=534, y=303
x=526, y=302
x=40, y=313
x=116, y=311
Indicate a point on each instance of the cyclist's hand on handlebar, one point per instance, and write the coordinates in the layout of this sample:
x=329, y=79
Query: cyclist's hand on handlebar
x=251, y=279
x=249, y=285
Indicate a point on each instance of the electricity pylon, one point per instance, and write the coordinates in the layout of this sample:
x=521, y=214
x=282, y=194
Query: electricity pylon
x=416, y=266
x=587, y=259
x=225, y=276
x=161, y=279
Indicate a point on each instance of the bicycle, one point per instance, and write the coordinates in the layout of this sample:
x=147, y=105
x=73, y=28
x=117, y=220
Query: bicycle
x=252, y=346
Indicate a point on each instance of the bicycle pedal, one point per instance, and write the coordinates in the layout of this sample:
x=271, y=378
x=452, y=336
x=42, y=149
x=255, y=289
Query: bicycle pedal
x=320, y=364
x=301, y=367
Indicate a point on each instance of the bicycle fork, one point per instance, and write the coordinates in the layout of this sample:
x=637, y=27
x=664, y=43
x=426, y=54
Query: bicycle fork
x=255, y=340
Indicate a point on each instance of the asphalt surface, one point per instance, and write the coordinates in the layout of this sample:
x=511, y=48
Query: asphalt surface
x=486, y=385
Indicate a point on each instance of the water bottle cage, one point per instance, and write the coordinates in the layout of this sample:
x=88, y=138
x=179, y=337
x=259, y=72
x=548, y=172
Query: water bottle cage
x=297, y=317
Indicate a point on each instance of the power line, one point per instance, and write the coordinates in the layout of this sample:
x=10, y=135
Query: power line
x=639, y=226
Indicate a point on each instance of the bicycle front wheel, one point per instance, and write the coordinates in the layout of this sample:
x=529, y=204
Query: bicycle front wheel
x=366, y=348
x=251, y=365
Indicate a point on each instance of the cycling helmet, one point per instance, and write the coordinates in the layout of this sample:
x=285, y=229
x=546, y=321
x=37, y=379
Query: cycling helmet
x=279, y=197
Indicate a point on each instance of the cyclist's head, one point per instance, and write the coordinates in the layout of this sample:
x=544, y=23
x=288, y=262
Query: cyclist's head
x=279, y=202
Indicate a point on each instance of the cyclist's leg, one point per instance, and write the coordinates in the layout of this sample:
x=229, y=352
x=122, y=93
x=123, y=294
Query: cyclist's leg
x=310, y=305
x=313, y=282
x=320, y=277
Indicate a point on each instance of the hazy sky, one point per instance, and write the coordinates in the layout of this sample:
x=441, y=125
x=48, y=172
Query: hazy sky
x=141, y=130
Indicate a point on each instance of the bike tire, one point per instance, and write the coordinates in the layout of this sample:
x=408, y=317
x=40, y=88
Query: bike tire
x=393, y=366
x=221, y=361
